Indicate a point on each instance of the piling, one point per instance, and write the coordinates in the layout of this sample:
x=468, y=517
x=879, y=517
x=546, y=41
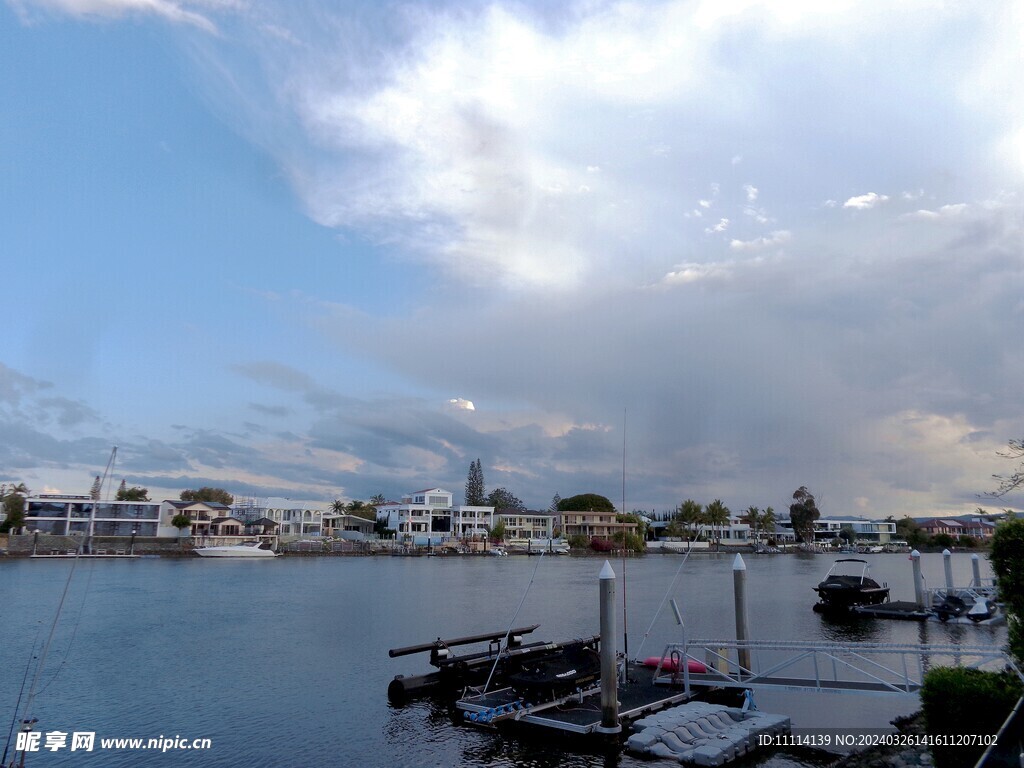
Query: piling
x=976, y=571
x=947, y=564
x=915, y=558
x=739, y=587
x=609, y=680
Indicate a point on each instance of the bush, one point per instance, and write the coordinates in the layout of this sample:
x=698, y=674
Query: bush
x=1008, y=563
x=579, y=541
x=958, y=701
x=943, y=540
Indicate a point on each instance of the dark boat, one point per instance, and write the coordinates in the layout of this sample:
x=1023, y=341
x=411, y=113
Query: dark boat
x=574, y=667
x=952, y=607
x=842, y=591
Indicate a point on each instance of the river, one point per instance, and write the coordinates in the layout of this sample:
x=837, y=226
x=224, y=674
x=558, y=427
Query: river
x=284, y=662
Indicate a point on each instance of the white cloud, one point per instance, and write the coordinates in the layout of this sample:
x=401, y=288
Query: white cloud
x=721, y=226
x=177, y=12
x=864, y=202
x=774, y=240
x=751, y=191
x=944, y=212
x=460, y=404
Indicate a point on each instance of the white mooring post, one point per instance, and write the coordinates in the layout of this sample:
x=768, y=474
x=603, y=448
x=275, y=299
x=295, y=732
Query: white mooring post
x=976, y=571
x=609, y=680
x=947, y=564
x=739, y=588
x=915, y=558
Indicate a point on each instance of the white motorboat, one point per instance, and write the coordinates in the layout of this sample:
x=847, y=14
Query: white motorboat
x=245, y=549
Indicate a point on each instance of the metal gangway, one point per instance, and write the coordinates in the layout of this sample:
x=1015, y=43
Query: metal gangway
x=806, y=666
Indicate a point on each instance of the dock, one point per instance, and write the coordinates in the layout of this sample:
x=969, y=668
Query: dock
x=903, y=610
x=579, y=713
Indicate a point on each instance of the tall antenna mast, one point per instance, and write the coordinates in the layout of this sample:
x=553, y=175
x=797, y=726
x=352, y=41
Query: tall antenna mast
x=625, y=626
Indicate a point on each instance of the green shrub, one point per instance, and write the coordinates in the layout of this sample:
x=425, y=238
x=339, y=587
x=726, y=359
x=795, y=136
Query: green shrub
x=1008, y=563
x=579, y=541
x=959, y=701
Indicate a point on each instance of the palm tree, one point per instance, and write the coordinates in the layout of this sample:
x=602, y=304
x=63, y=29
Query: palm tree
x=377, y=499
x=752, y=517
x=716, y=514
x=690, y=515
x=768, y=519
x=338, y=507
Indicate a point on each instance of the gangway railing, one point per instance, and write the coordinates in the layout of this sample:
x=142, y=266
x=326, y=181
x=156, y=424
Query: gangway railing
x=862, y=668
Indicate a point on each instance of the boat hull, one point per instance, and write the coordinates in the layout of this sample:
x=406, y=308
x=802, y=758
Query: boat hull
x=235, y=551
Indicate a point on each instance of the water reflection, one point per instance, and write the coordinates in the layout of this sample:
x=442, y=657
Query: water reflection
x=849, y=627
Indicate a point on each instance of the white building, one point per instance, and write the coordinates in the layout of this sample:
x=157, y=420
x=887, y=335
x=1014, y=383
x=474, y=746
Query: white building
x=430, y=513
x=299, y=518
x=869, y=531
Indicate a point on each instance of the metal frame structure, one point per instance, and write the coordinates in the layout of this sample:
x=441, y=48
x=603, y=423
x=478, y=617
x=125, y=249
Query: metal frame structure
x=863, y=668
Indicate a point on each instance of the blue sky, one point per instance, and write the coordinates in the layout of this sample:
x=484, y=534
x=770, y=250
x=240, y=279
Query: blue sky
x=277, y=247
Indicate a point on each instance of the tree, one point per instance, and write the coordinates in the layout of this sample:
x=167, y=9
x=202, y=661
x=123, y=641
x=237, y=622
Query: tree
x=752, y=517
x=908, y=530
x=475, y=492
x=497, y=531
x=1014, y=480
x=716, y=514
x=803, y=513
x=97, y=487
x=501, y=499
x=847, y=534
x=586, y=502
x=218, y=495
x=553, y=506
x=181, y=521
x=1008, y=563
x=377, y=499
x=338, y=507
x=689, y=515
x=768, y=520
x=135, y=493
x=361, y=509
x=14, y=511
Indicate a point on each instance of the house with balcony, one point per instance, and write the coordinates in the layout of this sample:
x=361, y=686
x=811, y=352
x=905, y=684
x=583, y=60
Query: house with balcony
x=591, y=524
x=68, y=515
x=865, y=531
x=431, y=513
x=200, y=513
x=527, y=524
x=296, y=518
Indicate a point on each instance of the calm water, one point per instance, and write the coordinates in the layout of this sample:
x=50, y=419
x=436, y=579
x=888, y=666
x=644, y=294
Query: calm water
x=285, y=662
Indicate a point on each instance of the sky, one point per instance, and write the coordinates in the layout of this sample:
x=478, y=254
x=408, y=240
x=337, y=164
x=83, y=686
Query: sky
x=656, y=251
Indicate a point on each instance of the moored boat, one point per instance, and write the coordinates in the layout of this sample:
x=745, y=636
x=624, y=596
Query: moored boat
x=842, y=591
x=245, y=549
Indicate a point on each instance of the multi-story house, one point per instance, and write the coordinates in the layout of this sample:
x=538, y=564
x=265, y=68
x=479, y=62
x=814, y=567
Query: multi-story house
x=591, y=524
x=430, y=513
x=202, y=514
x=298, y=518
x=65, y=515
x=527, y=524
x=827, y=528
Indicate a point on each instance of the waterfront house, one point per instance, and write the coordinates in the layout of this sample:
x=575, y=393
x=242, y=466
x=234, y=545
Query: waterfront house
x=431, y=513
x=527, y=524
x=200, y=513
x=591, y=524
x=63, y=515
x=298, y=518
x=866, y=531
x=340, y=525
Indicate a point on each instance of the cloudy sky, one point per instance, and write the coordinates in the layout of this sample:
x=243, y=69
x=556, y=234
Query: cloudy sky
x=327, y=250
